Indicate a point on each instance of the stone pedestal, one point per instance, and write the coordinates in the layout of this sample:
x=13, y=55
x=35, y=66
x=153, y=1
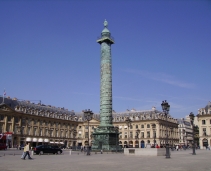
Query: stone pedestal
x=106, y=139
x=145, y=151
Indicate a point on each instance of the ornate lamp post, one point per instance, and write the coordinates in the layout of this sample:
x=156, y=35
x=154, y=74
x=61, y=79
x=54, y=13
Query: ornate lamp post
x=137, y=135
x=154, y=133
x=88, y=115
x=191, y=120
x=128, y=122
x=116, y=131
x=166, y=107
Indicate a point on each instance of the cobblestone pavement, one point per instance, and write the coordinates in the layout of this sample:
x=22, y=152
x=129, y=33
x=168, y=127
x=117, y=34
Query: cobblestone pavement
x=77, y=161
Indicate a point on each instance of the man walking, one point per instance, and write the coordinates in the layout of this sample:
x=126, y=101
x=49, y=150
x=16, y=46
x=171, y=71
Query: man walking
x=26, y=150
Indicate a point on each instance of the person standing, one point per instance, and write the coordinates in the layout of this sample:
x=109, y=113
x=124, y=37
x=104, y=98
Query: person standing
x=26, y=150
x=23, y=154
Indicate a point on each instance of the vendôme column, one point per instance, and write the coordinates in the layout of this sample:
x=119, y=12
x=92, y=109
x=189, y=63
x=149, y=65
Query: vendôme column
x=106, y=77
x=105, y=137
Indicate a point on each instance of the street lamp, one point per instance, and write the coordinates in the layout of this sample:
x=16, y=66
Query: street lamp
x=166, y=107
x=116, y=128
x=88, y=115
x=191, y=120
x=128, y=122
x=154, y=133
x=137, y=135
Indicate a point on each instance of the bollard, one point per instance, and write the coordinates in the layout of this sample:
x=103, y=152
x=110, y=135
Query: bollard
x=32, y=153
x=101, y=151
x=70, y=151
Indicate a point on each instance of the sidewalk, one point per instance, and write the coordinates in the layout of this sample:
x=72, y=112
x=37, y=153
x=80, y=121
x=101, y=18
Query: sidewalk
x=179, y=161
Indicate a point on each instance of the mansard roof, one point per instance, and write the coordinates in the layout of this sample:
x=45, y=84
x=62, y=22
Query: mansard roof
x=15, y=104
x=208, y=106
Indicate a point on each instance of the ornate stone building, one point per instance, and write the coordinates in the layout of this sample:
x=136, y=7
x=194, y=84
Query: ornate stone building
x=37, y=123
x=145, y=128
x=204, y=124
x=40, y=124
x=185, y=131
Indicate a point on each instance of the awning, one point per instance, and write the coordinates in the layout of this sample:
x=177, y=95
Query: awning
x=34, y=139
x=40, y=140
x=51, y=142
x=28, y=139
x=125, y=126
x=46, y=140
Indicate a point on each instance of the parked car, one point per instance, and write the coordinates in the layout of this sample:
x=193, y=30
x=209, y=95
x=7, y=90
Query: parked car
x=41, y=149
x=3, y=147
x=63, y=147
x=21, y=147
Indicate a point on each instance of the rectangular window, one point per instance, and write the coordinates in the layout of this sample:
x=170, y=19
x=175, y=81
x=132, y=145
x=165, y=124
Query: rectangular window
x=86, y=134
x=1, y=117
x=40, y=132
x=29, y=130
x=131, y=134
x=9, y=118
x=16, y=120
x=204, y=131
x=148, y=134
x=142, y=126
x=142, y=134
x=35, y=131
x=203, y=122
x=136, y=126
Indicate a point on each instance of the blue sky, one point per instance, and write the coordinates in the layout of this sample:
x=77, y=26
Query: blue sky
x=162, y=49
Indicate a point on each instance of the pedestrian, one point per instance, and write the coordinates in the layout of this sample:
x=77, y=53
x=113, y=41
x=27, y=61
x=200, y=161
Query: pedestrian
x=177, y=147
x=23, y=154
x=26, y=150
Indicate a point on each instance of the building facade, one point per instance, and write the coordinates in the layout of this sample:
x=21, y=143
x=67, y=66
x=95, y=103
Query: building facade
x=37, y=123
x=145, y=128
x=204, y=124
x=185, y=132
x=45, y=124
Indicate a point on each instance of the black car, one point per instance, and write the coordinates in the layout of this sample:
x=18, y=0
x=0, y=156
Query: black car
x=41, y=149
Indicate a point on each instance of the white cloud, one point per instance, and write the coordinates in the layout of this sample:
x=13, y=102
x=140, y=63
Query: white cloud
x=162, y=77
